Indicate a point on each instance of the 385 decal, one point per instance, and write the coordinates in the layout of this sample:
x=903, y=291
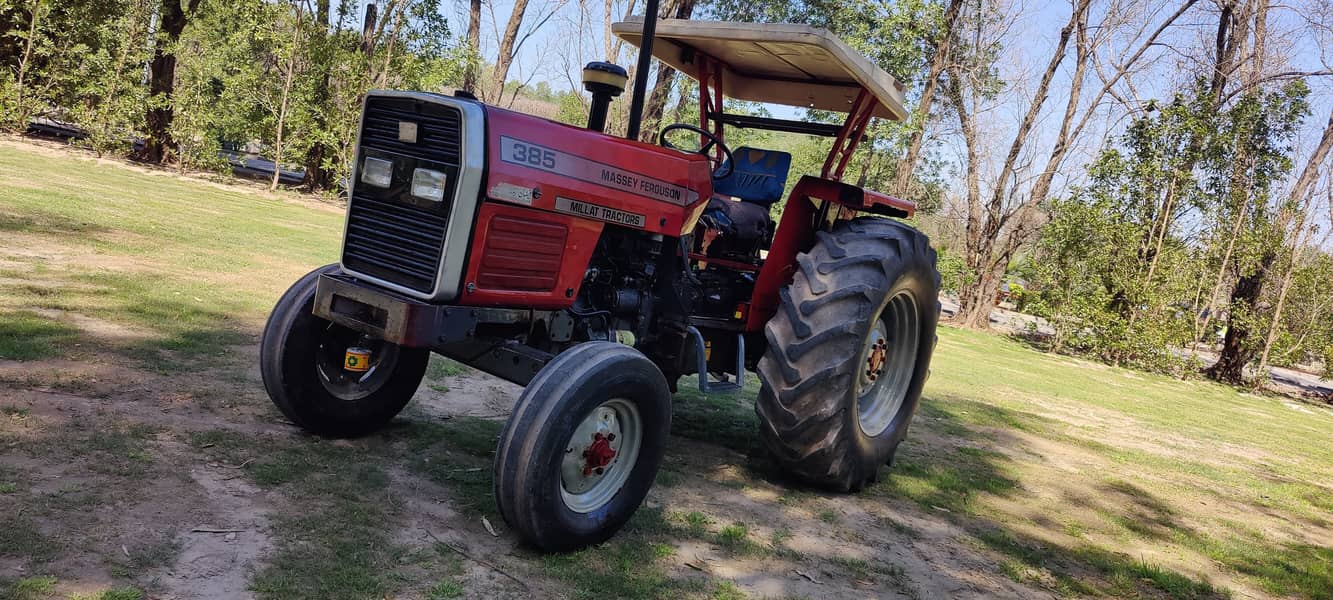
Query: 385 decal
x=532, y=155
x=527, y=154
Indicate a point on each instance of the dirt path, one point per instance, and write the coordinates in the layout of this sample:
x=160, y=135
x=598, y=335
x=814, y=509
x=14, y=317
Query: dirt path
x=121, y=488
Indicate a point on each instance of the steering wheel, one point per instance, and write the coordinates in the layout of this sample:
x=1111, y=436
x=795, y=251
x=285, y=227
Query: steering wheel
x=727, y=162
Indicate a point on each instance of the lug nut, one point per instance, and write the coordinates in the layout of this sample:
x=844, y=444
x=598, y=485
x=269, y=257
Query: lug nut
x=599, y=470
x=610, y=437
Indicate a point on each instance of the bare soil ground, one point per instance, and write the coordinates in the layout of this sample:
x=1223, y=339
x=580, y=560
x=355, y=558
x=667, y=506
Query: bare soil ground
x=124, y=492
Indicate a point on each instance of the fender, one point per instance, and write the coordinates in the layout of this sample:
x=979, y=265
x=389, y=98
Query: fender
x=796, y=234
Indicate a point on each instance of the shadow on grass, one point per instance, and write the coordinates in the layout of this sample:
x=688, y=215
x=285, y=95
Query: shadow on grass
x=167, y=326
x=49, y=225
x=938, y=472
x=25, y=335
x=947, y=468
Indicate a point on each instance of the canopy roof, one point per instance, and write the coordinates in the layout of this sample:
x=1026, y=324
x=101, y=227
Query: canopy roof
x=794, y=65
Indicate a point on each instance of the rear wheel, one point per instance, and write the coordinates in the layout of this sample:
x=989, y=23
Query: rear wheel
x=304, y=360
x=849, y=352
x=582, y=447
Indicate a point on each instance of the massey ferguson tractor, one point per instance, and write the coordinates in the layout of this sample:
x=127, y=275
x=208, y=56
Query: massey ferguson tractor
x=596, y=271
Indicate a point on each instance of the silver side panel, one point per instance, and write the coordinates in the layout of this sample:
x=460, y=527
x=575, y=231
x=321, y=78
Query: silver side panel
x=472, y=155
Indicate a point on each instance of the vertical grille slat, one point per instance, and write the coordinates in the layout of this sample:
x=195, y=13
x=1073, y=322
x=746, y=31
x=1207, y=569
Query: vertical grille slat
x=392, y=239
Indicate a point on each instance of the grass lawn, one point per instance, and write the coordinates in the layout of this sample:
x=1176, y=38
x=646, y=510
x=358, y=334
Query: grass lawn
x=130, y=305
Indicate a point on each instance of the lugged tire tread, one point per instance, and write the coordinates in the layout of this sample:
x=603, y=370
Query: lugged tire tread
x=806, y=371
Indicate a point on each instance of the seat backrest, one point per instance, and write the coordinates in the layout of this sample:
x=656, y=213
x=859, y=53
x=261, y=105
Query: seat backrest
x=760, y=177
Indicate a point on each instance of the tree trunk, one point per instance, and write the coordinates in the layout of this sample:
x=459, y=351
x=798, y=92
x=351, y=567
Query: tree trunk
x=289, y=76
x=906, y=166
x=1236, y=350
x=989, y=219
x=607, y=37
x=368, y=25
x=316, y=176
x=1232, y=39
x=23, y=116
x=1301, y=201
x=474, y=44
x=162, y=81
x=505, y=56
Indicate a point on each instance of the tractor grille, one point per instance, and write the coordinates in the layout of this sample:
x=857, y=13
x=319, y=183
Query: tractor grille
x=394, y=242
x=392, y=235
x=439, y=128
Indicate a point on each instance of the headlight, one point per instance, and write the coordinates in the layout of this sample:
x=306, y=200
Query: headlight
x=377, y=172
x=429, y=185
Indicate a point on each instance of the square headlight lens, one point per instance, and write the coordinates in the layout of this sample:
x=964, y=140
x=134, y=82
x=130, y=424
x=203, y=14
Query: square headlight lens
x=429, y=185
x=377, y=172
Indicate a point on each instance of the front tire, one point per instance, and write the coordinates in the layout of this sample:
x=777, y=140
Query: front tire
x=849, y=352
x=582, y=447
x=300, y=358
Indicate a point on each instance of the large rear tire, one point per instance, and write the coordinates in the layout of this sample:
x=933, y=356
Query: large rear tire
x=301, y=361
x=582, y=447
x=849, y=352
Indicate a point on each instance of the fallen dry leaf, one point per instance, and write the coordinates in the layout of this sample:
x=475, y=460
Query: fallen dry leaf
x=807, y=576
x=487, y=524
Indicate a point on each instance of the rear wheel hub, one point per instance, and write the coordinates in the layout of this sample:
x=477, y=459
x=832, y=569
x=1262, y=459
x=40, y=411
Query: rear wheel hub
x=887, y=364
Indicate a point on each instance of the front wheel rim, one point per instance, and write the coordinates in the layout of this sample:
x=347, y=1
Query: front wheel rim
x=887, y=364
x=590, y=477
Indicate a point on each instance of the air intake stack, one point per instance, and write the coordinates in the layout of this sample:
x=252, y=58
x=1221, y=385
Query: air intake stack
x=605, y=81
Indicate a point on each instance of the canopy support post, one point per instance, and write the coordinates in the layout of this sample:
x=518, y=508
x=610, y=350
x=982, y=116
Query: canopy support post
x=849, y=137
x=710, y=97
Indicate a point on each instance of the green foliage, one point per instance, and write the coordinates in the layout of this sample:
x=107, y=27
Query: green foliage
x=899, y=37
x=1119, y=271
x=246, y=72
x=953, y=270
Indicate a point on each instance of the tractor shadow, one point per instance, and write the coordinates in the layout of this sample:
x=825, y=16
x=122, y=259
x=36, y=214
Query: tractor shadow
x=952, y=465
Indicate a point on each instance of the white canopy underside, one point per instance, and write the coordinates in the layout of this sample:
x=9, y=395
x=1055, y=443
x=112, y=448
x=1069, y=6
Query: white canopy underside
x=793, y=65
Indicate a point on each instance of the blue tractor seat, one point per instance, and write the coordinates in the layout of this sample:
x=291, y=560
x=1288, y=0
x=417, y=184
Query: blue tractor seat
x=760, y=176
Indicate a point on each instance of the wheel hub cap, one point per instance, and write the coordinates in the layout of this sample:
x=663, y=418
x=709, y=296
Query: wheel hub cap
x=600, y=455
x=887, y=364
x=350, y=367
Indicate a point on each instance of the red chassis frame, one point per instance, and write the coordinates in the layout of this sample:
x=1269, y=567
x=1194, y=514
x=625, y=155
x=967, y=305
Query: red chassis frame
x=551, y=188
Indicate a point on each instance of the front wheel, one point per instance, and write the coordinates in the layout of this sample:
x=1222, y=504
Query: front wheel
x=849, y=352
x=328, y=379
x=582, y=447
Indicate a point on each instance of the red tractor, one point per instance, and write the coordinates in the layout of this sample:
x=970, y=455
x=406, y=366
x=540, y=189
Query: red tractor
x=597, y=271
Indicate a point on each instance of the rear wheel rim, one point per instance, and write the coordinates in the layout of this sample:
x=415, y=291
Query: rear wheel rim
x=334, y=340
x=887, y=364
x=585, y=483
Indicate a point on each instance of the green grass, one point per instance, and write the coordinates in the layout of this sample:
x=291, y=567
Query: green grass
x=191, y=268
x=989, y=395
x=120, y=593
x=725, y=419
x=20, y=538
x=987, y=391
x=443, y=368
x=30, y=588
x=25, y=335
